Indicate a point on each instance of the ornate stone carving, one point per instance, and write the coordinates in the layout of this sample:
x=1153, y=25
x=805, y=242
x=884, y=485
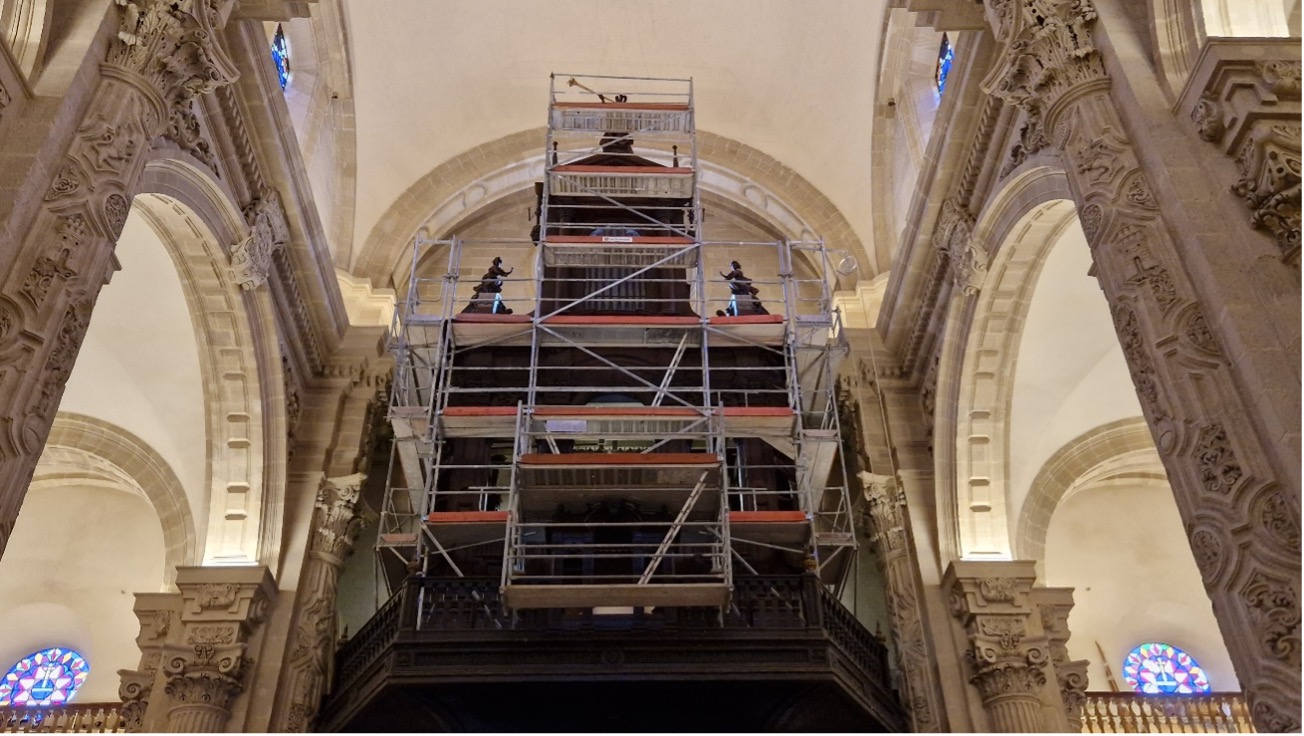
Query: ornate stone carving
x=217, y=595
x=1195, y=328
x=251, y=259
x=1032, y=138
x=185, y=130
x=336, y=526
x=41, y=279
x=67, y=343
x=1274, y=607
x=1219, y=468
x=954, y=242
x=1270, y=169
x=1138, y=358
x=68, y=181
x=172, y=45
x=1048, y=50
x=1281, y=76
x=1207, y=547
x=1277, y=518
x=886, y=521
x=1208, y=118
x=116, y=209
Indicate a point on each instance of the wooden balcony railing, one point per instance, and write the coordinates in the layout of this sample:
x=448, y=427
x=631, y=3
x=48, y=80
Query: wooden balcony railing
x=1137, y=713
x=80, y=718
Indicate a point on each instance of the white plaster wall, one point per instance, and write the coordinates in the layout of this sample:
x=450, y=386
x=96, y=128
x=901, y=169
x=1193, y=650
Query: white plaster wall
x=139, y=365
x=1070, y=375
x=780, y=75
x=68, y=578
x=1121, y=545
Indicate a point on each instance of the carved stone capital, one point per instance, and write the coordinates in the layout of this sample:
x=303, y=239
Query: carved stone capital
x=174, y=46
x=953, y=239
x=1048, y=51
x=884, y=501
x=337, y=522
x=206, y=676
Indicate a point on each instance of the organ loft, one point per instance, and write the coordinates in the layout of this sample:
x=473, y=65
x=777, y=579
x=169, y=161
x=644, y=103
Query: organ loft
x=614, y=465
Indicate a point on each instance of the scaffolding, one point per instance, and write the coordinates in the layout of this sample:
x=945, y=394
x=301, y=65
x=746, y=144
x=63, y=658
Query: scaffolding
x=621, y=423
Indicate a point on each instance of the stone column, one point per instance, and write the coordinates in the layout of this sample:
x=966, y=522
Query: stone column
x=1223, y=410
x=885, y=504
x=1053, y=607
x=56, y=250
x=309, y=663
x=207, y=669
x=1004, y=652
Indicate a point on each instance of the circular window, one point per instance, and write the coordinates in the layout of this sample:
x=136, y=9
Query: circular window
x=48, y=677
x=1156, y=669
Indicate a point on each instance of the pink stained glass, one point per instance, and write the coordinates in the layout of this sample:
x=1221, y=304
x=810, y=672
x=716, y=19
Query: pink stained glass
x=44, y=678
x=1155, y=668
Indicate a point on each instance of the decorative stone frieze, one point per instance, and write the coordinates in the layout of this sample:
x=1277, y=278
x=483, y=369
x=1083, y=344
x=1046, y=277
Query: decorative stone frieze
x=307, y=670
x=1006, y=654
x=887, y=530
x=1249, y=107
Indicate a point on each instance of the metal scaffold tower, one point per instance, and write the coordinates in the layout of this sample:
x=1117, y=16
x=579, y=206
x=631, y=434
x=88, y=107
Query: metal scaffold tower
x=631, y=420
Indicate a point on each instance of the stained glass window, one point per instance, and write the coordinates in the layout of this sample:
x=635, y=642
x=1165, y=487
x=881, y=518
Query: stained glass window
x=1155, y=668
x=945, y=55
x=281, y=55
x=48, y=677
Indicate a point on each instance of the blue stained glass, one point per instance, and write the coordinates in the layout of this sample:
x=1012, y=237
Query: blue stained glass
x=44, y=678
x=945, y=55
x=281, y=55
x=1155, y=668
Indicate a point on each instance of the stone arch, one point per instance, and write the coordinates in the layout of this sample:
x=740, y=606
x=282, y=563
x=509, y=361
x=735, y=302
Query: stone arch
x=96, y=451
x=25, y=26
x=1020, y=224
x=1091, y=456
x=196, y=218
x=784, y=199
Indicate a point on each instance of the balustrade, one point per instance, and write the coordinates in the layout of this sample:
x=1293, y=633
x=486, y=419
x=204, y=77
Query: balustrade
x=81, y=718
x=1137, y=713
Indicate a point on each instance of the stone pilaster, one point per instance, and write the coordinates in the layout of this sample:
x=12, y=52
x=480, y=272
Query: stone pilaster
x=159, y=615
x=887, y=522
x=1005, y=653
x=1234, y=476
x=57, y=255
x=1053, y=607
x=308, y=667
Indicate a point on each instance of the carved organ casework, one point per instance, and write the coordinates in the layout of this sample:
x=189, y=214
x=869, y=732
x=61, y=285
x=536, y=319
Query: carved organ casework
x=645, y=448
